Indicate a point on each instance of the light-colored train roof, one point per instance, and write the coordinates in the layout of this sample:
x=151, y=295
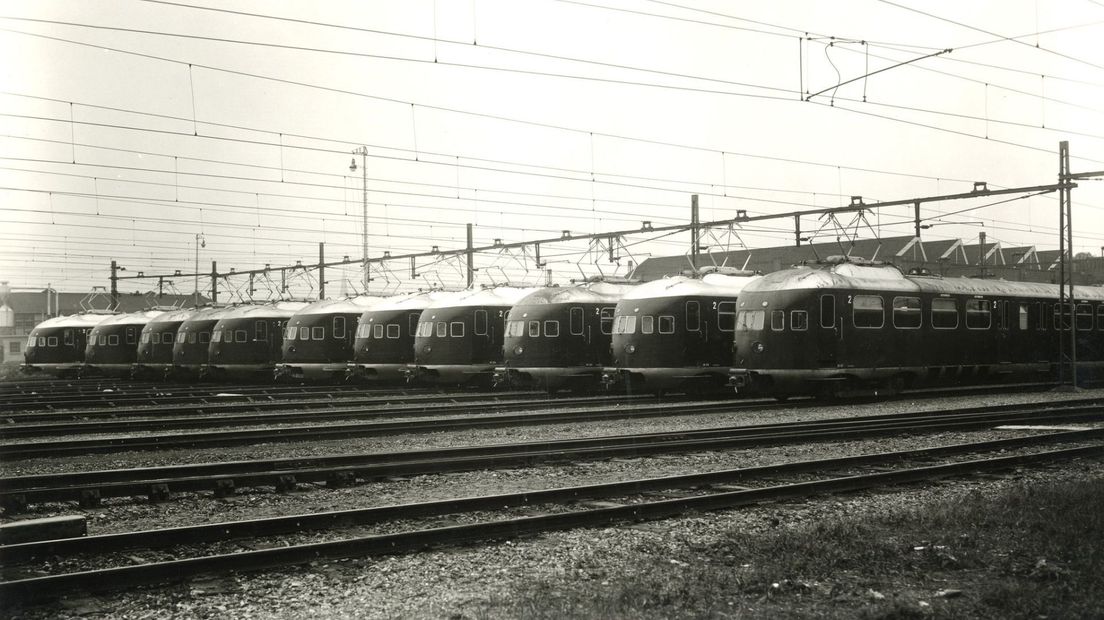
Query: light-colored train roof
x=890, y=278
x=90, y=319
x=497, y=296
x=350, y=305
x=212, y=313
x=710, y=284
x=174, y=316
x=133, y=318
x=276, y=309
x=412, y=301
x=585, y=292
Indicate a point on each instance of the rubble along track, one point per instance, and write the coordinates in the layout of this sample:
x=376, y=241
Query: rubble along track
x=717, y=494
x=159, y=483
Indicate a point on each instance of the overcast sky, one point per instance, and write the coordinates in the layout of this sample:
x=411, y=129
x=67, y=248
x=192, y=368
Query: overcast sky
x=128, y=128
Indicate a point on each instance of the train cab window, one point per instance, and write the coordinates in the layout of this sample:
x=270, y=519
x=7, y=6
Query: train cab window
x=290, y=335
x=393, y=330
x=534, y=329
x=67, y=337
x=1084, y=317
x=51, y=341
x=944, y=313
x=113, y=340
x=260, y=330
x=575, y=321
x=693, y=316
x=480, y=326
x=442, y=329
x=377, y=330
x=145, y=338
x=868, y=311
x=906, y=312
x=799, y=320
x=750, y=320
x=167, y=338
x=515, y=328
x=726, y=316
x=192, y=338
x=978, y=314
x=456, y=328
x=339, y=327
x=605, y=316
x=243, y=336
x=778, y=320
x=156, y=337
x=131, y=337
x=828, y=311
x=626, y=324
x=1100, y=317
x=216, y=335
x=30, y=342
x=666, y=324
x=551, y=329
x=647, y=324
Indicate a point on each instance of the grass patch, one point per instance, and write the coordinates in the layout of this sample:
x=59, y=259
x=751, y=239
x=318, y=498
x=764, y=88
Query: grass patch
x=1034, y=551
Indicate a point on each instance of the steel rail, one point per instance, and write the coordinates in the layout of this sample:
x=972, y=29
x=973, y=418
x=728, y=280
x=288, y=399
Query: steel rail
x=160, y=482
x=48, y=587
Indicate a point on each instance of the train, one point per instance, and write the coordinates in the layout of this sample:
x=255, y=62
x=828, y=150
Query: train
x=459, y=337
x=318, y=341
x=559, y=337
x=246, y=342
x=846, y=326
x=112, y=347
x=193, y=339
x=56, y=346
x=675, y=334
x=155, y=344
x=384, y=345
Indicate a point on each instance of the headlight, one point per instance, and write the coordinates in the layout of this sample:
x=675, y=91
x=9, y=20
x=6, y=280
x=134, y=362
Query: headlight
x=630, y=348
x=518, y=350
x=427, y=348
x=757, y=347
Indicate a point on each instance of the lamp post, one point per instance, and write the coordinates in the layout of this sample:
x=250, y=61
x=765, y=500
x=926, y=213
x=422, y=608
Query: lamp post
x=200, y=241
x=363, y=152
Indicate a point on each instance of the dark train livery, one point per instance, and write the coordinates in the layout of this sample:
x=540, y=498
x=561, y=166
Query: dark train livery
x=459, y=338
x=193, y=339
x=155, y=345
x=847, y=325
x=384, y=345
x=560, y=337
x=246, y=341
x=56, y=346
x=318, y=340
x=676, y=333
x=113, y=344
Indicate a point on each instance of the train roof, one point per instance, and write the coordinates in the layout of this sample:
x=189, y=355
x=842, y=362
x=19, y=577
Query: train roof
x=132, y=318
x=175, y=316
x=584, y=292
x=89, y=319
x=716, y=284
x=412, y=301
x=349, y=305
x=276, y=309
x=847, y=275
x=497, y=296
x=209, y=313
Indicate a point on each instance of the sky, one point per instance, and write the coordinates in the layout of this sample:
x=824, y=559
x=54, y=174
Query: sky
x=165, y=135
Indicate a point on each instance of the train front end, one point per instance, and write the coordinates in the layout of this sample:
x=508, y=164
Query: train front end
x=318, y=340
x=112, y=347
x=56, y=346
x=155, y=345
x=246, y=342
x=384, y=347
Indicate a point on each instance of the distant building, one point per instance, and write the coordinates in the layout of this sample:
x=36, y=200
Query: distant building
x=21, y=310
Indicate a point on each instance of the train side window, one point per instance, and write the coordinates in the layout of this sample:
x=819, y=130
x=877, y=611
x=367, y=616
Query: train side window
x=868, y=311
x=1041, y=314
x=51, y=341
x=606, y=320
x=978, y=314
x=412, y=323
x=480, y=323
x=1100, y=317
x=456, y=328
x=318, y=333
x=944, y=313
x=377, y=330
x=168, y=338
x=67, y=338
x=799, y=320
x=551, y=329
x=1084, y=317
x=750, y=320
x=1002, y=310
x=442, y=329
x=113, y=340
x=647, y=324
x=828, y=311
x=201, y=337
x=243, y=336
x=906, y=312
x=693, y=316
x=131, y=337
x=393, y=330
x=666, y=324
x=339, y=327
x=534, y=329
x=778, y=320
x=102, y=341
x=1062, y=318
x=726, y=316
x=575, y=321
x=304, y=333
x=260, y=330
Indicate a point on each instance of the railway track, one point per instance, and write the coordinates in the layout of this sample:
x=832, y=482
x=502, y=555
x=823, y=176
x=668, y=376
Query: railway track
x=159, y=483
x=636, y=502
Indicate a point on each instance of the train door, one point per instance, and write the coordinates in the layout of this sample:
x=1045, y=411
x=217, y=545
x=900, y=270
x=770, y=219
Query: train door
x=828, y=331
